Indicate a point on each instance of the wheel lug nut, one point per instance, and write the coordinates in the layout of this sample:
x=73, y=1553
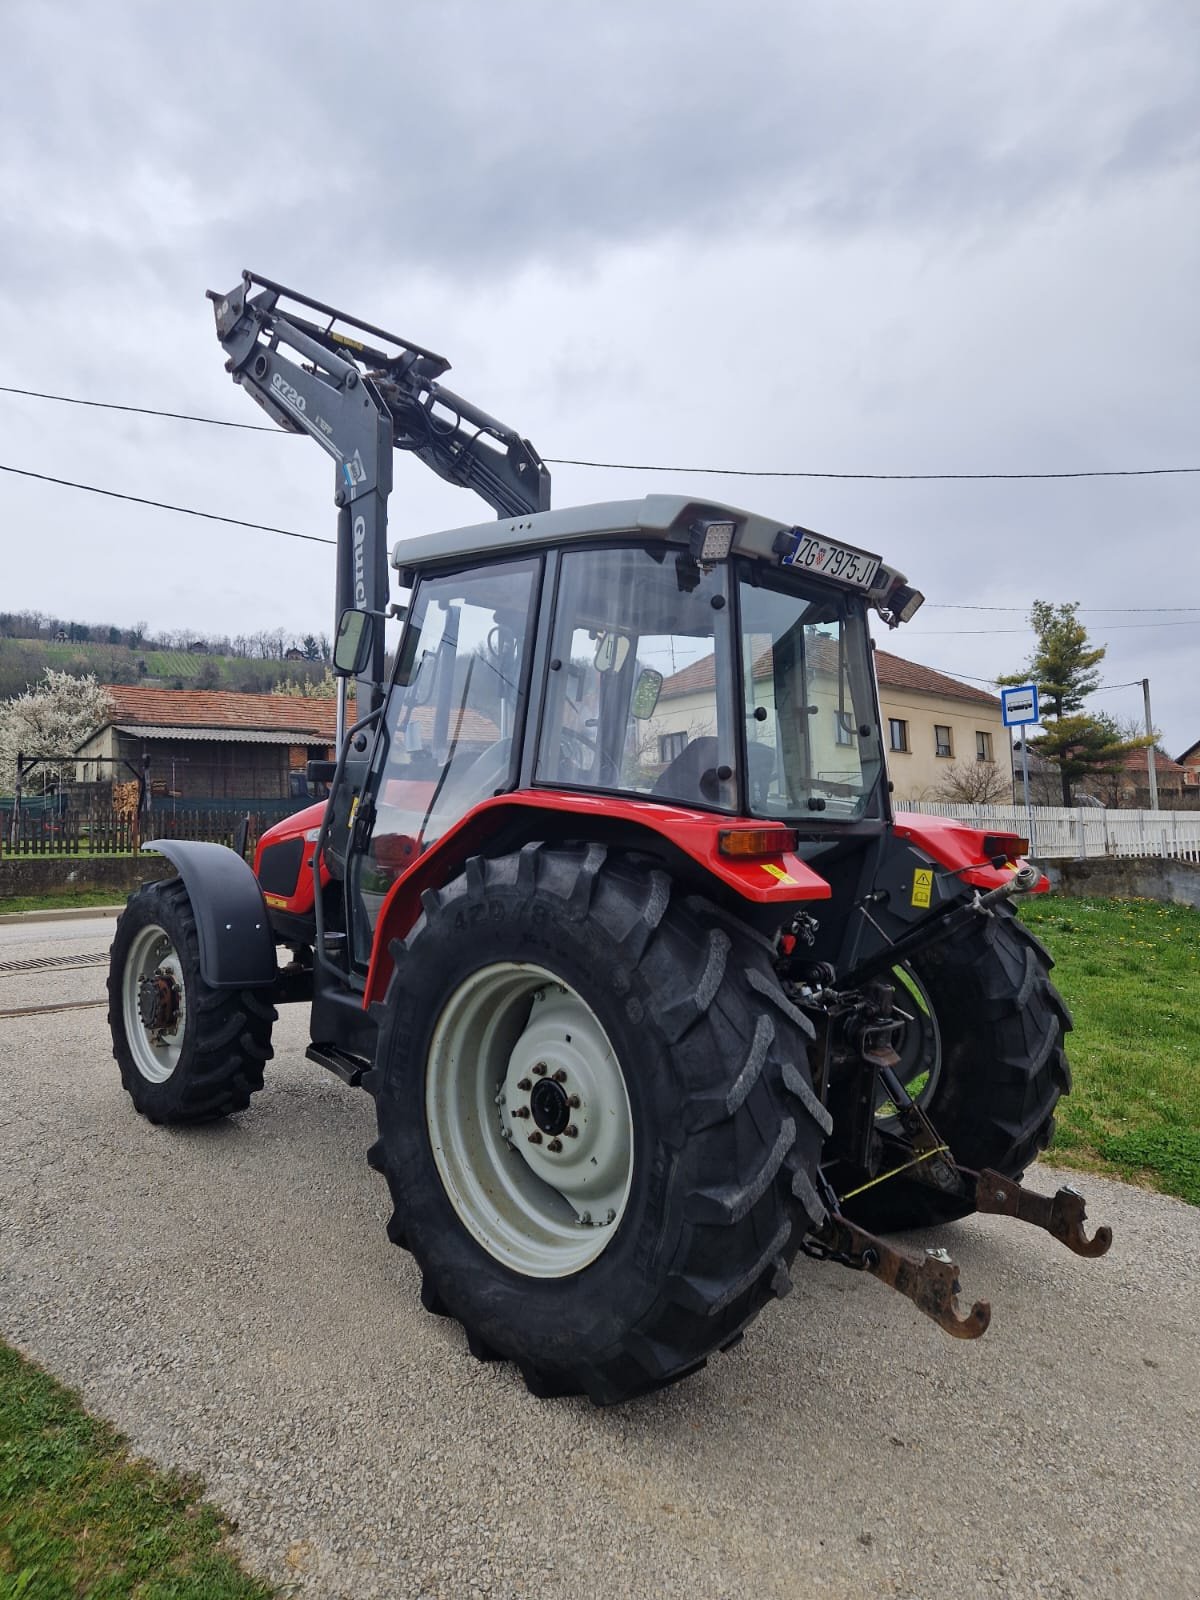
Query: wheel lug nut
x=535, y=1137
x=525, y=1084
x=571, y=1131
x=573, y=1101
x=611, y=1216
x=555, y=1145
x=521, y=1111
x=560, y=1076
x=540, y=1068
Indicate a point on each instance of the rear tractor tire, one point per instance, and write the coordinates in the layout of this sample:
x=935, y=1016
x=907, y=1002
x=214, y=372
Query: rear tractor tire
x=596, y=1120
x=186, y=1052
x=983, y=1057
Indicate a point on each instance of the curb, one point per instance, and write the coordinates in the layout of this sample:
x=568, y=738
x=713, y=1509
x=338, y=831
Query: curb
x=68, y=914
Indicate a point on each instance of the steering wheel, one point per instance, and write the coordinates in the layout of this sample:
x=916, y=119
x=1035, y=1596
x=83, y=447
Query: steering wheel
x=598, y=767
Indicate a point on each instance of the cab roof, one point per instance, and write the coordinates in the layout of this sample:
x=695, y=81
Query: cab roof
x=669, y=517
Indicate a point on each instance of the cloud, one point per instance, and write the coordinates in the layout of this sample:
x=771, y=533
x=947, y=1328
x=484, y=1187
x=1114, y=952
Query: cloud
x=853, y=237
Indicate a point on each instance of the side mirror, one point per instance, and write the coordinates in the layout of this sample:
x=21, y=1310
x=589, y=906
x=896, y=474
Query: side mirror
x=645, y=694
x=352, y=647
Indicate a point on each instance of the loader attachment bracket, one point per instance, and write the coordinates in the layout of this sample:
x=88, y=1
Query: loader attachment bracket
x=1062, y=1215
x=930, y=1282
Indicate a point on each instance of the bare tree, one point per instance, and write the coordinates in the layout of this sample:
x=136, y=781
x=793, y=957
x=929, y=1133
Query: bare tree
x=976, y=783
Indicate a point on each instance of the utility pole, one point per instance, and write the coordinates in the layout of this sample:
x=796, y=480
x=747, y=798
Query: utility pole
x=1151, y=764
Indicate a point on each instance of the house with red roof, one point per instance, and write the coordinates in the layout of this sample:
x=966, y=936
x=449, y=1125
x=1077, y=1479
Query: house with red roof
x=216, y=744
x=208, y=744
x=931, y=721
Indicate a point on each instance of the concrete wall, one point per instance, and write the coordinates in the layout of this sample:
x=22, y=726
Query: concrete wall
x=1129, y=878
x=37, y=875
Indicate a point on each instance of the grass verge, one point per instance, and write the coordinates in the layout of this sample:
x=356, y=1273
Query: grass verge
x=64, y=900
x=1130, y=971
x=78, y=1517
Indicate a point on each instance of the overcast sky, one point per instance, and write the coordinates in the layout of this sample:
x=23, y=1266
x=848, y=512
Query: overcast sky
x=852, y=237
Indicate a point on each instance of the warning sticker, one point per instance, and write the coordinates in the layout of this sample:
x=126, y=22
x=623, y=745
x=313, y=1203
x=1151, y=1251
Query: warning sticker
x=922, y=887
x=778, y=873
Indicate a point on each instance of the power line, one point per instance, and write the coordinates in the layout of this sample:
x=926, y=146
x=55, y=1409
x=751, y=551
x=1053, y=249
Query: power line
x=646, y=466
x=162, y=505
x=875, y=477
x=946, y=605
x=1193, y=622
x=141, y=411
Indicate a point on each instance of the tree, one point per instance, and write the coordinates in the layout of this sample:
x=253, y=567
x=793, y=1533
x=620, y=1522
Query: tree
x=976, y=783
x=1063, y=666
x=322, y=688
x=52, y=718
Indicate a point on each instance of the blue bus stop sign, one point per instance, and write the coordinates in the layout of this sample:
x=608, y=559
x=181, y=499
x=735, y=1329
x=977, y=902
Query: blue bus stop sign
x=1020, y=705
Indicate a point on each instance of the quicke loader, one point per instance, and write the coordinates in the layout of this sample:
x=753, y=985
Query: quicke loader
x=606, y=908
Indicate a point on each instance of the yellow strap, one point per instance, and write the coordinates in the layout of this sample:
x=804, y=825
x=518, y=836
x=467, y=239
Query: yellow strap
x=941, y=1149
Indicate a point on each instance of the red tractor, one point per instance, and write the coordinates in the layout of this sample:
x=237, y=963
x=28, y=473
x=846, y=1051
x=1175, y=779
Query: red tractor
x=607, y=909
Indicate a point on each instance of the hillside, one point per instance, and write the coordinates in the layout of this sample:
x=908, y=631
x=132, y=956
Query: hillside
x=23, y=661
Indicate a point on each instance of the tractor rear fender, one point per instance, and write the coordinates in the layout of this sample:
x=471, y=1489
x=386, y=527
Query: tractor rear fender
x=778, y=878
x=237, y=950
x=964, y=850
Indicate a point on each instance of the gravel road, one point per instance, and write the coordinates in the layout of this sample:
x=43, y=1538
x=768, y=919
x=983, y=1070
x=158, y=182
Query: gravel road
x=228, y=1298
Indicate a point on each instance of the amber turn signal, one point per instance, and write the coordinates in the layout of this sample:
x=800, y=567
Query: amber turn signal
x=1005, y=844
x=756, y=841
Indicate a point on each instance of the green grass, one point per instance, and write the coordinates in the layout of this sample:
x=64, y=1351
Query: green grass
x=1130, y=971
x=79, y=1517
x=62, y=900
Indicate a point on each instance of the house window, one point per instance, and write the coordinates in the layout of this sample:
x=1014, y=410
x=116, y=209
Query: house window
x=843, y=727
x=941, y=740
x=671, y=745
x=983, y=745
x=897, y=733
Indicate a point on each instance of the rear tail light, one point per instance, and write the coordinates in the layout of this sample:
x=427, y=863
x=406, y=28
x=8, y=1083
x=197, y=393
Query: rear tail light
x=756, y=841
x=1009, y=845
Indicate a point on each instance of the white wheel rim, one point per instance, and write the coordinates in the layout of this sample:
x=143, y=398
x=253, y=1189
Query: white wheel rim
x=516, y=1053
x=155, y=1051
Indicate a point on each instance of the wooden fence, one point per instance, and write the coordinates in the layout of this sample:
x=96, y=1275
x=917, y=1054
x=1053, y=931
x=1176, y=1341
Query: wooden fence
x=110, y=832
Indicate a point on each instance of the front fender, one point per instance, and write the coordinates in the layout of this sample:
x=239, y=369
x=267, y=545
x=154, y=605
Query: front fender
x=237, y=950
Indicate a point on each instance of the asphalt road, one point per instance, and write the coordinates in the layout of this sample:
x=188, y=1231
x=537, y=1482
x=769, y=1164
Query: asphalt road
x=228, y=1297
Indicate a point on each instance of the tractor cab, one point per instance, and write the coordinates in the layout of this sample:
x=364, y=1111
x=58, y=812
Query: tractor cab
x=621, y=662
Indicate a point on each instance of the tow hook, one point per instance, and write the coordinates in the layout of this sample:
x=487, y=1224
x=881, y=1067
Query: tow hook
x=1061, y=1215
x=930, y=1282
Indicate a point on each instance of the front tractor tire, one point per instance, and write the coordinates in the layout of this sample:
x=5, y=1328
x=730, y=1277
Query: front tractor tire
x=186, y=1052
x=983, y=1057
x=596, y=1119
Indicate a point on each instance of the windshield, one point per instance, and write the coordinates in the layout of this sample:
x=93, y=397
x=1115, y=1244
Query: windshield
x=811, y=733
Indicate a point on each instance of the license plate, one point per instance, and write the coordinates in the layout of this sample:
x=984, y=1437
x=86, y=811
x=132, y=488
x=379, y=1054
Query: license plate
x=810, y=553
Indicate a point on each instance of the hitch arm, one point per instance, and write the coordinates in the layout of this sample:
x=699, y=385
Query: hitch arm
x=931, y=1283
x=1061, y=1215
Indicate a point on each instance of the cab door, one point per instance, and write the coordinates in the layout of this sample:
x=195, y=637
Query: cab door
x=451, y=729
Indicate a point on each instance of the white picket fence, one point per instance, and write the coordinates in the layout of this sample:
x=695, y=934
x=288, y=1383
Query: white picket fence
x=1074, y=832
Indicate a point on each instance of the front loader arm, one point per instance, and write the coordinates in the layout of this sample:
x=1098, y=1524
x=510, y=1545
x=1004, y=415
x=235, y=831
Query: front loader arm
x=359, y=401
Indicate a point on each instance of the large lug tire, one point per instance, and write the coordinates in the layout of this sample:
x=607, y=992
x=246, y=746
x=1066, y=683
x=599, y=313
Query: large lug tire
x=186, y=1052
x=983, y=1056
x=646, y=1041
